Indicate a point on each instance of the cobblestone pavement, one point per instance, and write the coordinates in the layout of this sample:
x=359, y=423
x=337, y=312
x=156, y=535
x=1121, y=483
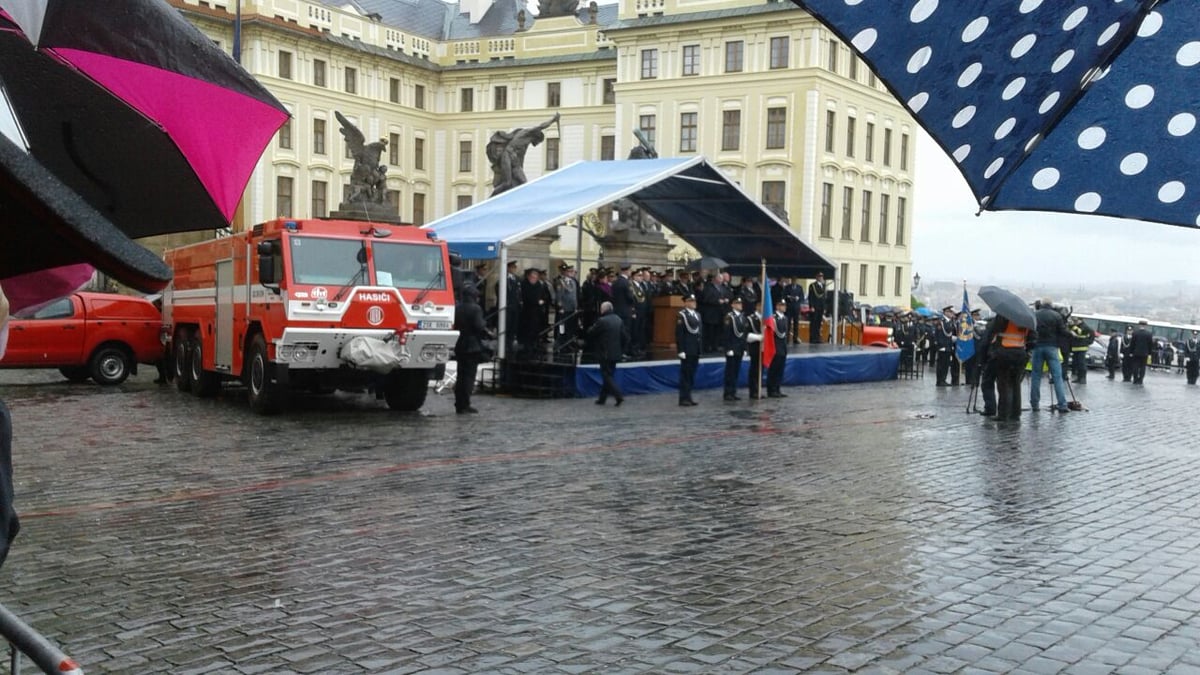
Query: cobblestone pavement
x=869, y=528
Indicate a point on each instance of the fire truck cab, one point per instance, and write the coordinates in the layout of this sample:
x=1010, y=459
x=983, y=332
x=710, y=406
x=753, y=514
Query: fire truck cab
x=312, y=305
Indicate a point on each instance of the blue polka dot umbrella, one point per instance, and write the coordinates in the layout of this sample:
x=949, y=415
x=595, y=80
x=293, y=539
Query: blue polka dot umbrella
x=1076, y=106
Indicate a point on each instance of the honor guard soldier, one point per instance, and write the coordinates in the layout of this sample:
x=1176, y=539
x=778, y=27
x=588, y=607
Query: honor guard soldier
x=1191, y=351
x=754, y=348
x=780, y=336
x=944, y=338
x=816, y=308
x=689, y=342
x=733, y=340
x=566, y=304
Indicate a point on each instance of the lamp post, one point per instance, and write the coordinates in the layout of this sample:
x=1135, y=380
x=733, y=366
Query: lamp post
x=916, y=281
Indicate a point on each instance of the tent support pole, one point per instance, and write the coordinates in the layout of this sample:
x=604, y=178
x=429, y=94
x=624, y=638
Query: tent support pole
x=837, y=296
x=578, y=246
x=502, y=303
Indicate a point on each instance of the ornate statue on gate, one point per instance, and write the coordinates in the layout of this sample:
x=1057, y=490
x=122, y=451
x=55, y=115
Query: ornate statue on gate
x=629, y=214
x=549, y=8
x=368, y=180
x=506, y=152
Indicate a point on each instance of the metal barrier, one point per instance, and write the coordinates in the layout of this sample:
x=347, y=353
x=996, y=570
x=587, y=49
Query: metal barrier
x=23, y=639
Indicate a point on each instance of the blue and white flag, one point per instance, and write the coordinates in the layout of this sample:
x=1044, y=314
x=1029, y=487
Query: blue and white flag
x=966, y=330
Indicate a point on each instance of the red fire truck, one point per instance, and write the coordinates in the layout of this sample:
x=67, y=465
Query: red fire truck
x=314, y=305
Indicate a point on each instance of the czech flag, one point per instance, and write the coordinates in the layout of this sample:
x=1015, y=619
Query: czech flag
x=768, y=323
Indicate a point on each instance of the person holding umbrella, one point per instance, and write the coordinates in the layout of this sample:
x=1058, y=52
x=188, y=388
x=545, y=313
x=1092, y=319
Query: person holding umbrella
x=1007, y=352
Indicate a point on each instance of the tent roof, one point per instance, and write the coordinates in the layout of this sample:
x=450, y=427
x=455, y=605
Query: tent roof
x=689, y=196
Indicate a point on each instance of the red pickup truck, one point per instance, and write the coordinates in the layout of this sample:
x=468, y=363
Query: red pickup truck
x=98, y=335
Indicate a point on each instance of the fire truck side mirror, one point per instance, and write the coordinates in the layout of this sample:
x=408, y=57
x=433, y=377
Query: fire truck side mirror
x=267, y=274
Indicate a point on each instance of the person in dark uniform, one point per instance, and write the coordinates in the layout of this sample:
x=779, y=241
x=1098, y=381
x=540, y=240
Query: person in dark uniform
x=512, y=308
x=1140, y=347
x=793, y=295
x=780, y=336
x=943, y=337
x=754, y=348
x=1112, y=356
x=816, y=308
x=749, y=296
x=688, y=340
x=1127, y=355
x=623, y=300
x=1191, y=353
x=711, y=313
x=641, y=305
x=609, y=338
x=532, y=304
x=468, y=351
x=733, y=340
x=566, y=308
x=904, y=334
x=974, y=365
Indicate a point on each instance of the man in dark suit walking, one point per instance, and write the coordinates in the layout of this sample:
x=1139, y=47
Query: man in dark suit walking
x=468, y=351
x=609, y=338
x=1140, y=347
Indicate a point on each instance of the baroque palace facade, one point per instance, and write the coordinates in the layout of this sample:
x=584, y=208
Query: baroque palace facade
x=759, y=88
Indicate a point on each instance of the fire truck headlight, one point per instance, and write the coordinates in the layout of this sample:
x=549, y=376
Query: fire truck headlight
x=428, y=353
x=443, y=353
x=284, y=352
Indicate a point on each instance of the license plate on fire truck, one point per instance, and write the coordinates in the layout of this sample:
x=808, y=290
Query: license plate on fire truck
x=434, y=324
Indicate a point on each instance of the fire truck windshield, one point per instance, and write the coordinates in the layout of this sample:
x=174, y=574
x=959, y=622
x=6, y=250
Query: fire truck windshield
x=321, y=261
x=409, y=265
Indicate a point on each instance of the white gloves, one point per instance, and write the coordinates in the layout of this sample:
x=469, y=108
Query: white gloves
x=729, y=353
x=754, y=337
x=682, y=355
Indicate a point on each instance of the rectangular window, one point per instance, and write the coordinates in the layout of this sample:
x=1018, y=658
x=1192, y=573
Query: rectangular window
x=283, y=196
x=394, y=149
x=847, y=209
x=318, y=137
x=834, y=49
x=687, y=132
x=464, y=156
x=351, y=80
x=285, y=65
x=901, y=220
x=318, y=73
x=419, y=96
x=553, y=94
x=610, y=91
x=649, y=126
x=899, y=281
x=731, y=130
x=865, y=234
x=320, y=201
x=773, y=195
x=500, y=96
x=844, y=275
x=649, y=64
x=851, y=127
x=779, y=52
x=826, y=210
x=691, y=60
x=776, y=128
x=394, y=90
x=853, y=66
x=418, y=209
x=608, y=147
x=285, y=134
x=887, y=147
x=552, y=154
x=393, y=198
x=904, y=152
x=881, y=282
x=862, y=279
x=869, y=141
x=884, y=203
x=830, y=129
x=467, y=96
x=463, y=202
x=733, y=56
x=419, y=154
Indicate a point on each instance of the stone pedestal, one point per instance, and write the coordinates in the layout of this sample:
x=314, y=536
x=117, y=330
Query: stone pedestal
x=649, y=249
x=367, y=212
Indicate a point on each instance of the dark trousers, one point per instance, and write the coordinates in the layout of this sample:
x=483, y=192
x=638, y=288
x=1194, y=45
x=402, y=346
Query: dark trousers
x=987, y=386
x=464, y=382
x=687, y=376
x=1193, y=370
x=1008, y=388
x=793, y=317
x=608, y=385
x=1126, y=368
x=755, y=373
x=943, y=366
x=775, y=372
x=814, y=328
x=1111, y=365
x=9, y=524
x=1079, y=363
x=971, y=366
x=732, y=365
x=711, y=335
x=1139, y=369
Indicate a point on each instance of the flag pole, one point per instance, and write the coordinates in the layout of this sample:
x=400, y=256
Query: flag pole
x=762, y=324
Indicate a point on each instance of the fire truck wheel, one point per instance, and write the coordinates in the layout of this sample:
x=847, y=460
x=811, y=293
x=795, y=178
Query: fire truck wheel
x=265, y=396
x=75, y=374
x=180, y=352
x=204, y=383
x=110, y=365
x=406, y=389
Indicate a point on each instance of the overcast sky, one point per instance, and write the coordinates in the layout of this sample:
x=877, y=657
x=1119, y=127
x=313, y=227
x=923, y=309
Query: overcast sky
x=951, y=243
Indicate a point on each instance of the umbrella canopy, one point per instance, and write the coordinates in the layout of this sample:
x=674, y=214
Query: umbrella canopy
x=706, y=263
x=1078, y=107
x=1009, y=305
x=132, y=108
x=925, y=312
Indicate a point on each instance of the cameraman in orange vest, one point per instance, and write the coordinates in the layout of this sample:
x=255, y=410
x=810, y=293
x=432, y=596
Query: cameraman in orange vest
x=1008, y=351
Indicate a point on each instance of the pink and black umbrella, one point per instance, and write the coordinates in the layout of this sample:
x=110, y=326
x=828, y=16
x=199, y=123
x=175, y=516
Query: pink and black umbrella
x=133, y=109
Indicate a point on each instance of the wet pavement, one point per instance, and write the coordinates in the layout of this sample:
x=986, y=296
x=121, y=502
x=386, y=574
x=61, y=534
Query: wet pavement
x=853, y=528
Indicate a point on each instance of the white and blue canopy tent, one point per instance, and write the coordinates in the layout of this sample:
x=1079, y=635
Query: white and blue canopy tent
x=690, y=197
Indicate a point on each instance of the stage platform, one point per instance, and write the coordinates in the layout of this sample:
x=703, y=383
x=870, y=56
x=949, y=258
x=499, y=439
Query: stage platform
x=806, y=365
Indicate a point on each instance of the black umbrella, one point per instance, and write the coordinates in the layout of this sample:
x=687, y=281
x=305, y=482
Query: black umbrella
x=707, y=262
x=1009, y=305
x=133, y=109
